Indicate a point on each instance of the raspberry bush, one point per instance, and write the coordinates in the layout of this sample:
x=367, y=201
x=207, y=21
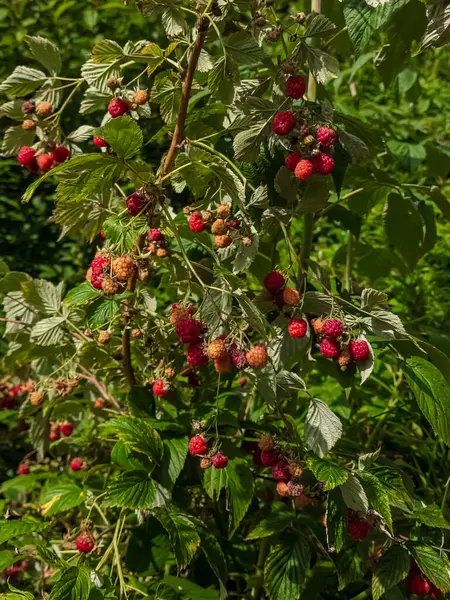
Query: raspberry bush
x=203, y=416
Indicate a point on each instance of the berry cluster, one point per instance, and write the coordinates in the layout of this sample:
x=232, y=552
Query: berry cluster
x=56, y=430
x=198, y=446
x=110, y=276
x=420, y=585
x=331, y=335
x=221, y=222
x=156, y=243
x=9, y=392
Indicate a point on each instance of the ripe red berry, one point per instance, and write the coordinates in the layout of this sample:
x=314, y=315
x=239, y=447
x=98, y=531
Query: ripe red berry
x=198, y=445
x=281, y=472
x=160, y=388
x=23, y=469
x=417, y=583
x=54, y=436
x=100, y=142
x=60, y=154
x=155, y=235
x=233, y=224
x=196, y=222
x=66, y=429
x=84, y=542
x=135, y=203
x=296, y=86
x=322, y=163
x=359, y=350
x=434, y=591
x=284, y=122
x=333, y=328
x=26, y=156
x=297, y=328
x=44, y=162
x=118, y=107
x=358, y=528
x=98, y=263
x=195, y=355
x=219, y=460
x=274, y=282
x=269, y=458
x=188, y=330
x=326, y=136
x=304, y=169
x=76, y=464
x=292, y=160
x=330, y=348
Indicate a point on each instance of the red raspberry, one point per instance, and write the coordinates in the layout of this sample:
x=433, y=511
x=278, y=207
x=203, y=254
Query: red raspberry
x=54, y=436
x=135, y=203
x=26, y=156
x=100, y=142
x=323, y=163
x=281, y=472
x=238, y=357
x=160, y=388
x=242, y=380
x=84, y=542
x=359, y=350
x=326, y=136
x=274, y=282
x=97, y=265
x=188, y=330
x=257, y=461
x=418, y=584
x=76, y=464
x=196, y=356
x=257, y=357
x=304, y=169
x=291, y=297
x=23, y=469
x=233, y=224
x=434, y=591
x=269, y=458
x=333, y=328
x=155, y=235
x=219, y=460
x=118, y=107
x=292, y=160
x=196, y=222
x=296, y=86
x=66, y=429
x=357, y=528
x=198, y=445
x=330, y=348
x=297, y=328
x=44, y=162
x=284, y=122
x=60, y=154
x=102, y=234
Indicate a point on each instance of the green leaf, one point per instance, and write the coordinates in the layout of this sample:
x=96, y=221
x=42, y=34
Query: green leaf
x=216, y=308
x=322, y=427
x=214, y=481
x=377, y=496
x=432, y=393
x=45, y=52
x=10, y=530
x=407, y=239
x=314, y=197
x=75, y=584
x=318, y=25
x=240, y=487
x=124, y=136
x=432, y=564
x=336, y=520
x=106, y=51
x=279, y=518
x=254, y=316
x=48, y=332
x=175, y=452
x=137, y=434
x=135, y=489
x=127, y=459
x=182, y=533
x=59, y=496
x=392, y=568
x=438, y=29
x=81, y=294
x=354, y=495
x=81, y=134
x=327, y=473
x=102, y=312
x=98, y=74
x=42, y=294
x=410, y=155
x=22, y=81
x=7, y=559
x=188, y=588
x=247, y=143
x=13, y=110
x=243, y=48
x=431, y=516
x=14, y=138
x=286, y=567
x=18, y=594
x=322, y=65
x=221, y=79
x=166, y=92
x=213, y=552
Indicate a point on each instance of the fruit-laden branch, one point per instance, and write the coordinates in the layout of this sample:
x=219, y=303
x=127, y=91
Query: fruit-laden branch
x=169, y=161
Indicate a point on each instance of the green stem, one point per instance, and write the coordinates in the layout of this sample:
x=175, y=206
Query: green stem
x=308, y=226
x=264, y=548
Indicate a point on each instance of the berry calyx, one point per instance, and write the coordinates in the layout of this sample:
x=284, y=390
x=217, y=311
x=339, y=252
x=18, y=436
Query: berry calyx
x=216, y=349
x=280, y=471
x=196, y=222
x=330, y=348
x=100, y=142
x=296, y=87
x=118, y=107
x=297, y=328
x=198, y=445
x=219, y=460
x=23, y=469
x=333, y=328
x=76, y=464
x=322, y=163
x=284, y=122
x=195, y=355
x=274, y=282
x=66, y=429
x=44, y=162
x=160, y=388
x=84, y=542
x=188, y=330
x=26, y=156
x=135, y=204
x=326, y=136
x=304, y=169
x=60, y=154
x=291, y=297
x=359, y=350
x=257, y=357
x=292, y=160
